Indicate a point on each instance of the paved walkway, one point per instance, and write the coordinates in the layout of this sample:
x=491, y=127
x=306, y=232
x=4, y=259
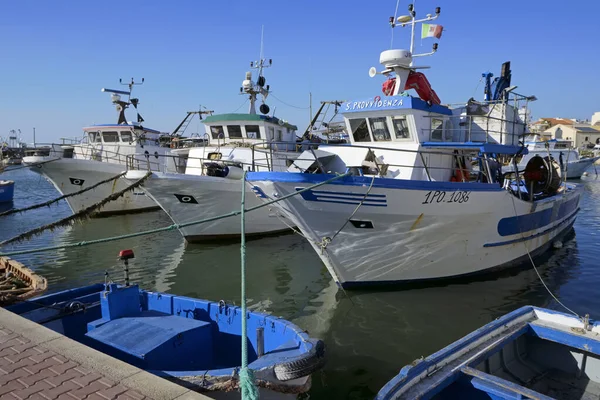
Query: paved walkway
x=37, y=363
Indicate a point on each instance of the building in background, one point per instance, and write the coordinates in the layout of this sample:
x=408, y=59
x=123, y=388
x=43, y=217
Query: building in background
x=543, y=124
x=581, y=135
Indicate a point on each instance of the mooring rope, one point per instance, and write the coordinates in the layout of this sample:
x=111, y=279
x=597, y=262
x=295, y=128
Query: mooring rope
x=247, y=384
x=64, y=196
x=78, y=216
x=533, y=262
x=170, y=227
x=30, y=165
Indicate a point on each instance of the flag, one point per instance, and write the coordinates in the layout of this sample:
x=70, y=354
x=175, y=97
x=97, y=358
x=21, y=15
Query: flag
x=430, y=30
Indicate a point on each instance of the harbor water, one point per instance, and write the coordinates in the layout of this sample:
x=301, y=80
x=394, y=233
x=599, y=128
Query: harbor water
x=369, y=335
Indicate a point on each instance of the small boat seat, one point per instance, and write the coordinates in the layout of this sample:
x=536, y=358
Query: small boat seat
x=157, y=340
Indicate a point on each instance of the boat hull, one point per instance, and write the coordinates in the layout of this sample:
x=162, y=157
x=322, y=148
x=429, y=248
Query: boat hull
x=406, y=231
x=7, y=191
x=188, y=198
x=70, y=175
x=577, y=168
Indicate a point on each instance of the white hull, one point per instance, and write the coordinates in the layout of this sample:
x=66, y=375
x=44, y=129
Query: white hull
x=395, y=237
x=187, y=198
x=577, y=168
x=70, y=175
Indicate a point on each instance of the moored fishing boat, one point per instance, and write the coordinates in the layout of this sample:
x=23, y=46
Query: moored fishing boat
x=193, y=342
x=104, y=152
x=210, y=183
x=18, y=283
x=411, y=207
x=530, y=353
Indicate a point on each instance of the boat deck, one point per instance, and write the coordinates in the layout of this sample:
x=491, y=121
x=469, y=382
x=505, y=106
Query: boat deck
x=38, y=363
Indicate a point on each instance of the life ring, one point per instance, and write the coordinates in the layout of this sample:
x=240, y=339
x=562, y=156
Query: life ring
x=304, y=365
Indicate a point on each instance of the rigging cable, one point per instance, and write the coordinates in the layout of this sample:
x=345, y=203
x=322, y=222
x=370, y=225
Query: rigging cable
x=289, y=105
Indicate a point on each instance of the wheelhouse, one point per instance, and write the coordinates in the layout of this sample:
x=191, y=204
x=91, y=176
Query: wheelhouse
x=251, y=128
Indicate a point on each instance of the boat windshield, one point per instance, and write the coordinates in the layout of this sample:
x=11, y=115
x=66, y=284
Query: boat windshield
x=360, y=131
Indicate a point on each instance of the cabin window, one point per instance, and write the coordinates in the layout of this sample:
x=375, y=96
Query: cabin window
x=126, y=136
x=110, y=137
x=217, y=132
x=437, y=129
x=214, y=156
x=235, y=131
x=380, y=130
x=279, y=135
x=271, y=135
x=93, y=137
x=252, y=131
x=401, y=128
x=360, y=131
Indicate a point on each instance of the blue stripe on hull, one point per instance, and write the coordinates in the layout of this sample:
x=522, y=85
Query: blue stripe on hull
x=323, y=196
x=524, y=223
x=523, y=239
x=528, y=222
x=365, y=181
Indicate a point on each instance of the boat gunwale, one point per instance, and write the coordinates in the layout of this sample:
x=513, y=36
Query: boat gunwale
x=412, y=375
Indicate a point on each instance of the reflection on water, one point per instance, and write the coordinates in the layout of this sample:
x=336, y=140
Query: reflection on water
x=370, y=335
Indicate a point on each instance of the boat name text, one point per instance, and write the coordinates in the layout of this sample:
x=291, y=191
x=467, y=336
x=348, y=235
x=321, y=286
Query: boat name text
x=360, y=105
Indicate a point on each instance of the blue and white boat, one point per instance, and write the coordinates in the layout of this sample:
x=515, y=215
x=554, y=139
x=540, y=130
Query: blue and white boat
x=192, y=342
x=561, y=150
x=7, y=191
x=426, y=197
x=531, y=353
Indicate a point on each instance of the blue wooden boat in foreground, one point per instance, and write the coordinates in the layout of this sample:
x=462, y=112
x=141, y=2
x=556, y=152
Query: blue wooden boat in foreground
x=196, y=343
x=531, y=353
x=7, y=190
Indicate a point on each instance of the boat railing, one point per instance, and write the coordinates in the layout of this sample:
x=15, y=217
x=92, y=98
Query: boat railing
x=181, y=163
x=484, y=165
x=478, y=128
x=73, y=140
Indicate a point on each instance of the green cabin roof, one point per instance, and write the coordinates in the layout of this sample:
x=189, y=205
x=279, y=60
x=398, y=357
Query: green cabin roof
x=213, y=119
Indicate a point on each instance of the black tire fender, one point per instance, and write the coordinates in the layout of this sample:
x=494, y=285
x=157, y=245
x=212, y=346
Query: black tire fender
x=302, y=365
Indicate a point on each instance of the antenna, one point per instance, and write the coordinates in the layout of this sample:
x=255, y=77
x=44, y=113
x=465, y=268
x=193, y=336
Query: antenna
x=253, y=89
x=411, y=20
x=121, y=105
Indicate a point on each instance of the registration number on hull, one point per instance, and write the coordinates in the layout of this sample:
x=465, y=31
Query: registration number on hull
x=441, y=196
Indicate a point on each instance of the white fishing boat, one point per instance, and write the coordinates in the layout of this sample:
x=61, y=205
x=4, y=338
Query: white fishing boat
x=211, y=185
x=104, y=152
x=561, y=150
x=410, y=206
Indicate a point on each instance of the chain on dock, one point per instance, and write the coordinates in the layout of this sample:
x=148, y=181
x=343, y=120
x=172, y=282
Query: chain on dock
x=78, y=216
x=65, y=196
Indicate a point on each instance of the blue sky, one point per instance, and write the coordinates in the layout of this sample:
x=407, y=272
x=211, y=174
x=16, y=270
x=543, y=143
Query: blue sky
x=57, y=55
